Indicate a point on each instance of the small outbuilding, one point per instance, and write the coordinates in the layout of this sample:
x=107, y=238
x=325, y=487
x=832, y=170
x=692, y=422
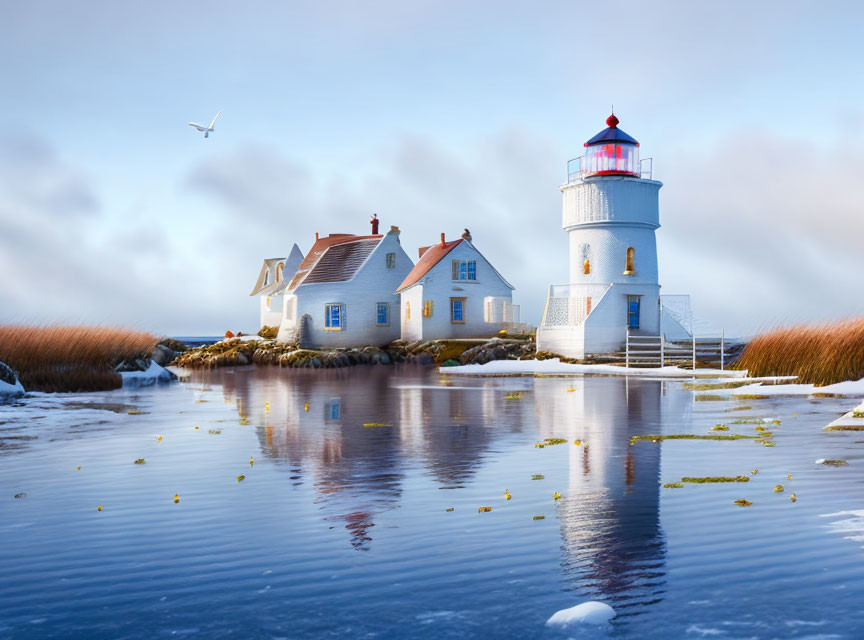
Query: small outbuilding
x=454, y=292
x=273, y=278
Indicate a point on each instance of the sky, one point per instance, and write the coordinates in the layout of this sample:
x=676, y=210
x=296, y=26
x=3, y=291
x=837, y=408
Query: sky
x=436, y=115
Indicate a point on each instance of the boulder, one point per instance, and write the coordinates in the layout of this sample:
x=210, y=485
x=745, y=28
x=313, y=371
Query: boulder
x=163, y=354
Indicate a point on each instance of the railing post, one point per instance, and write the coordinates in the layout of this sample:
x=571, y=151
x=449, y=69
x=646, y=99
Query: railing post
x=722, y=349
x=694, y=350
x=627, y=350
x=662, y=351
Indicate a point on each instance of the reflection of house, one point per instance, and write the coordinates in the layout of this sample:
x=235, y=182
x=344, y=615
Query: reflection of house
x=343, y=292
x=274, y=276
x=454, y=292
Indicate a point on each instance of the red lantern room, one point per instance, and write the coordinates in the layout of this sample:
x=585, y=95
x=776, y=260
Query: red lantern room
x=611, y=153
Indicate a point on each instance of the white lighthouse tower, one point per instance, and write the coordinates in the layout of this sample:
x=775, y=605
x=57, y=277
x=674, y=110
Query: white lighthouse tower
x=611, y=214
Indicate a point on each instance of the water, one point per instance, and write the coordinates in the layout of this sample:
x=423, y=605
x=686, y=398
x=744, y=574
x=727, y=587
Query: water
x=341, y=530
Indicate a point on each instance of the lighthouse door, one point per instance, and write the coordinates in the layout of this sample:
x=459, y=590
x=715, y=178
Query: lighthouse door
x=633, y=312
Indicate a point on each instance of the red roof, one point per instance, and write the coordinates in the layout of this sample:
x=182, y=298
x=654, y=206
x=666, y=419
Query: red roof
x=351, y=260
x=431, y=256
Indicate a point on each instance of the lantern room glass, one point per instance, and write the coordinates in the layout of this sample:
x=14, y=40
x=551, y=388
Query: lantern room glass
x=611, y=158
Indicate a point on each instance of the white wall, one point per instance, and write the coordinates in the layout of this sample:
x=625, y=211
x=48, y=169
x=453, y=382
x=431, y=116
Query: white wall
x=412, y=328
x=373, y=283
x=271, y=315
x=438, y=285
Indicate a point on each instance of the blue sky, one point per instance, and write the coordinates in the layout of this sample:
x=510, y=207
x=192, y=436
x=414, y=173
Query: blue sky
x=438, y=116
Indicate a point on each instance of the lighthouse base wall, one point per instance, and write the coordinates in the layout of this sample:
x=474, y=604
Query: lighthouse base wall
x=604, y=330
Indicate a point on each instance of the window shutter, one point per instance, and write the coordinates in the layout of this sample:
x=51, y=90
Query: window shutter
x=455, y=269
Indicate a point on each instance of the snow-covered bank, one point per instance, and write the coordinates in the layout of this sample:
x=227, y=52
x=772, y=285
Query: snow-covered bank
x=154, y=374
x=554, y=366
x=849, y=388
x=849, y=419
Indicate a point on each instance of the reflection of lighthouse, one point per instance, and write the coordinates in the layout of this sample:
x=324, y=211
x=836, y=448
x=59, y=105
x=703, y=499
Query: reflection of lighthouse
x=610, y=520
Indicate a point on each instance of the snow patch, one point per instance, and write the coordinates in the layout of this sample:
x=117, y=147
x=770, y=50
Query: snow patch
x=154, y=373
x=11, y=390
x=852, y=523
x=848, y=388
x=591, y=612
x=553, y=366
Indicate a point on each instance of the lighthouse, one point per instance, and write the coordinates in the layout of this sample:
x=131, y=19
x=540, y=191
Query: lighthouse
x=610, y=213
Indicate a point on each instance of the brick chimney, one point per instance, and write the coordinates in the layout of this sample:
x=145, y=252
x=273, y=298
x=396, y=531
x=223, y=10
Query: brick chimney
x=442, y=238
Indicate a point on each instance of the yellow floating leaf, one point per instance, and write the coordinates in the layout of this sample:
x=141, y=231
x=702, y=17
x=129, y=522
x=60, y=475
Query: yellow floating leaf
x=743, y=503
x=240, y=478
x=484, y=509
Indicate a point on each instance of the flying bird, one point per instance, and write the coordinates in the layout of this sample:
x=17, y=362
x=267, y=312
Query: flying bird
x=206, y=129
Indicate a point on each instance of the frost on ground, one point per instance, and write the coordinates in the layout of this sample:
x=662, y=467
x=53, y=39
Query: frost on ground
x=553, y=366
x=586, y=613
x=154, y=373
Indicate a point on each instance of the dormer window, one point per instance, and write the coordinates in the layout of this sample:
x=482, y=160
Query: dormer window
x=280, y=269
x=267, y=277
x=464, y=269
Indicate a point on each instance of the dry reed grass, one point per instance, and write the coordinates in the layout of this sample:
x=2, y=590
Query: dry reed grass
x=71, y=358
x=819, y=354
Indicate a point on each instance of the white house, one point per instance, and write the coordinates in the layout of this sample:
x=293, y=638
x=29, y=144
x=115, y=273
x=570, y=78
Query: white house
x=343, y=292
x=273, y=278
x=454, y=292
x=611, y=213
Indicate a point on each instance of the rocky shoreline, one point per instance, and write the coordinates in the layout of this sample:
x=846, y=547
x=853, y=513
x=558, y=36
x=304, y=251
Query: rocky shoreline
x=260, y=351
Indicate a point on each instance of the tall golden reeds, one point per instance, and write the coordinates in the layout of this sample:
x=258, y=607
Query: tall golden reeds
x=819, y=354
x=71, y=358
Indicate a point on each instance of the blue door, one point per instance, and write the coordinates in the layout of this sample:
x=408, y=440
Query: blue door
x=633, y=312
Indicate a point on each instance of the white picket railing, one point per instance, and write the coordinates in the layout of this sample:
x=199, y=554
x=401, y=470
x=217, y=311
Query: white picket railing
x=656, y=351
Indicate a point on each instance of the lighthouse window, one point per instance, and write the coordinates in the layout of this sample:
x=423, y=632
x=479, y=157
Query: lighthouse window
x=630, y=266
x=585, y=251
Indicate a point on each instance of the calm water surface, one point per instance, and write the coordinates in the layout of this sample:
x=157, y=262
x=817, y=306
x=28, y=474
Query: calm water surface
x=342, y=530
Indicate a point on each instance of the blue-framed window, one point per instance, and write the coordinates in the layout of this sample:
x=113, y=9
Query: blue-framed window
x=382, y=314
x=334, y=316
x=457, y=310
x=464, y=269
x=633, y=312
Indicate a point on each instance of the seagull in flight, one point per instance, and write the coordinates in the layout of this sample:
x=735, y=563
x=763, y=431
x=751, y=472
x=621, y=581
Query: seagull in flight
x=206, y=129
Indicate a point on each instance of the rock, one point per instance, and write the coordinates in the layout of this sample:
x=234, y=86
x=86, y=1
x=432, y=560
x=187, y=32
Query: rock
x=10, y=387
x=162, y=354
x=424, y=358
x=592, y=612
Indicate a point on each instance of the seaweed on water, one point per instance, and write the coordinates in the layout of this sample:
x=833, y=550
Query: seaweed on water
x=538, y=476
x=214, y=432
x=712, y=479
x=709, y=386
x=690, y=436
x=140, y=461
x=778, y=488
x=517, y=395
x=370, y=425
x=707, y=397
x=450, y=509
x=845, y=427
x=719, y=427
x=539, y=518
x=741, y=502
x=751, y=396
x=673, y=485
x=551, y=441
x=484, y=509
x=832, y=463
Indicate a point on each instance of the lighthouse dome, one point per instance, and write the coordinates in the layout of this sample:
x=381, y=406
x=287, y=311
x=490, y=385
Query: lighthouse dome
x=611, y=152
